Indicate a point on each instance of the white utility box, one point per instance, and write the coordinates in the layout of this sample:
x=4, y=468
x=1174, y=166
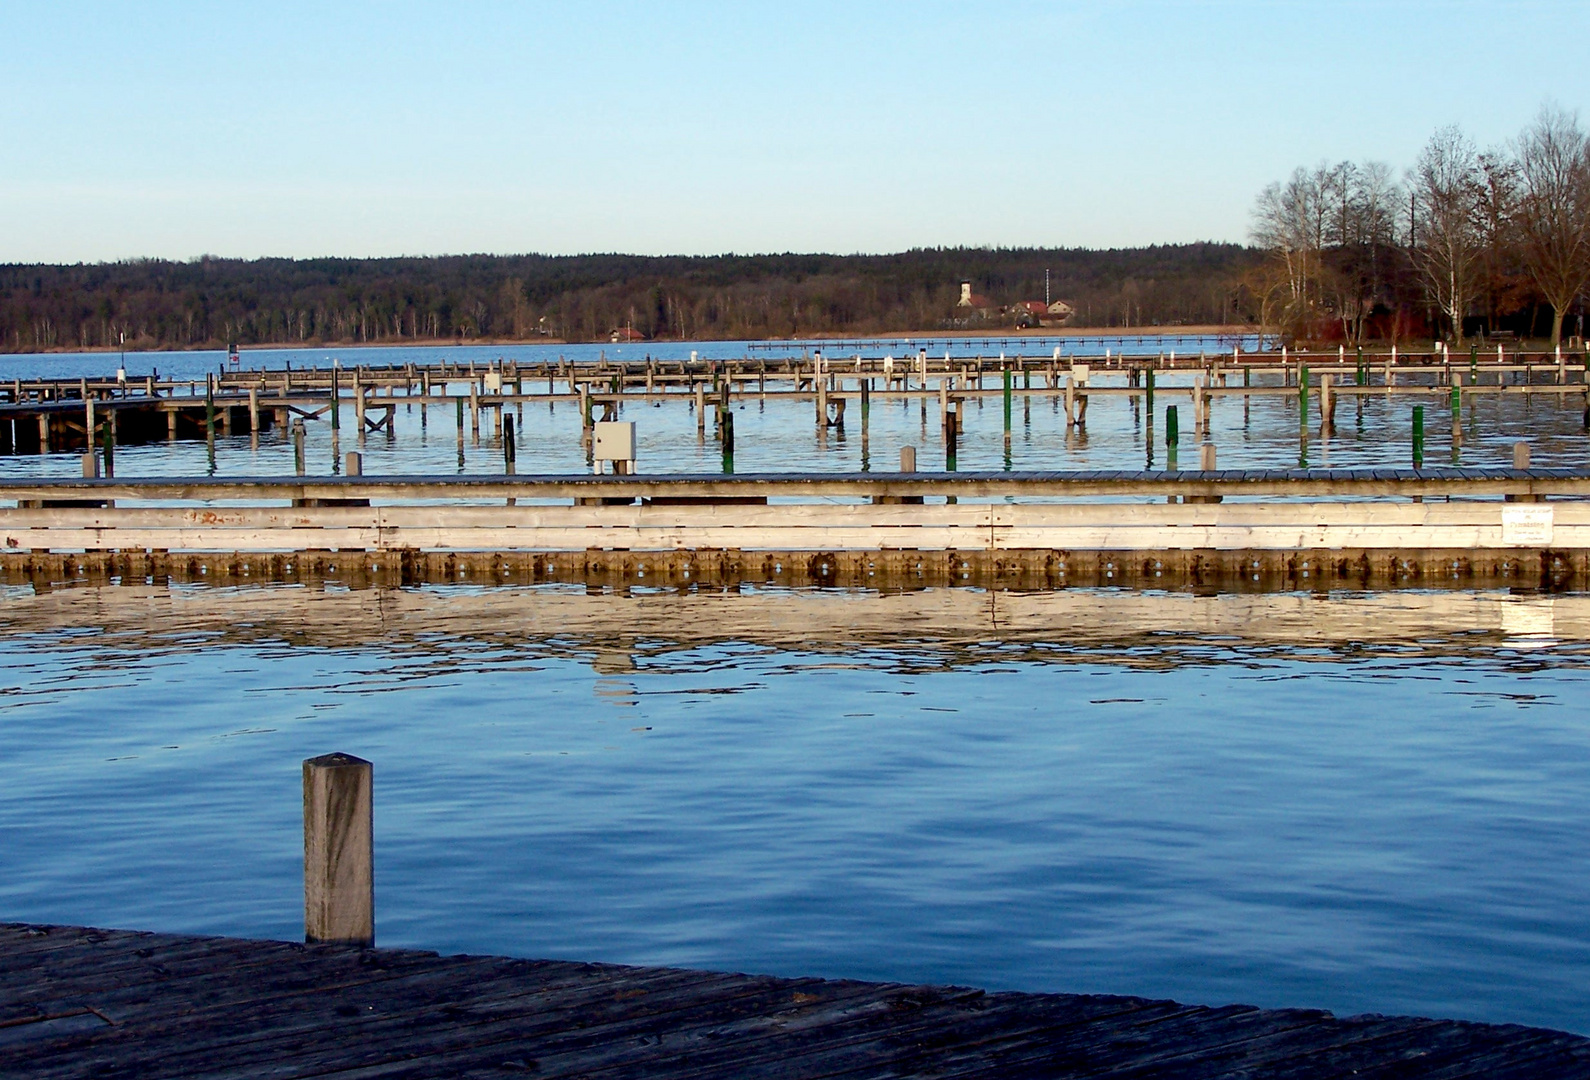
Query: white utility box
x=493, y=382
x=1079, y=374
x=613, y=440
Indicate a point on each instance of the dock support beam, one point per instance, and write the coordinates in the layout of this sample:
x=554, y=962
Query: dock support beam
x=339, y=852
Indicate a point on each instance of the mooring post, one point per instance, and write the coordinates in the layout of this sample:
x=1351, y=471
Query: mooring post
x=209, y=408
x=336, y=399
x=1148, y=392
x=1172, y=436
x=110, y=443
x=726, y=432
x=1206, y=457
x=458, y=407
x=509, y=451
x=1007, y=406
x=353, y=463
x=1302, y=395
x=1418, y=436
x=298, y=445
x=91, y=464
x=1520, y=455
x=339, y=853
x=253, y=410
x=908, y=459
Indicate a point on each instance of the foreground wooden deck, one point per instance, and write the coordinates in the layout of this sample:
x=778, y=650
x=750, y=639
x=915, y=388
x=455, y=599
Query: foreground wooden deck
x=76, y=1002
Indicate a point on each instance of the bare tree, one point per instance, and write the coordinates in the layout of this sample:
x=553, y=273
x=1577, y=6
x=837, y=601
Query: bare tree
x=1288, y=221
x=1554, y=208
x=1447, y=240
x=1498, y=207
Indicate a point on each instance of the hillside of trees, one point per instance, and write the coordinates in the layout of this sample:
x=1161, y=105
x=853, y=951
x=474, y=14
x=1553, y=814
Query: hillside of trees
x=210, y=302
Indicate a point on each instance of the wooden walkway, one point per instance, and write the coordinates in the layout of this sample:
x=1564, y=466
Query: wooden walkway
x=76, y=1002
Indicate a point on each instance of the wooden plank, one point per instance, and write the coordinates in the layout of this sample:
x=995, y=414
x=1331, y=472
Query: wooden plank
x=301, y=1011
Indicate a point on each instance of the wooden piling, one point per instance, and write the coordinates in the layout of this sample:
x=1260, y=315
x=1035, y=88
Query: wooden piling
x=1520, y=455
x=353, y=464
x=339, y=856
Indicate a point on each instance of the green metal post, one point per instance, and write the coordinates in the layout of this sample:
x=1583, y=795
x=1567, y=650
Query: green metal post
x=1007, y=404
x=1172, y=436
x=1302, y=395
x=1418, y=436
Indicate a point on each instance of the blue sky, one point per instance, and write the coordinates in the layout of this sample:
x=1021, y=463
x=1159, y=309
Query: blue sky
x=172, y=129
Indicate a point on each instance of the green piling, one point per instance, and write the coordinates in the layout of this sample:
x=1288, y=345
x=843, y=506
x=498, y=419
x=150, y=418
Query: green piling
x=1007, y=405
x=1172, y=436
x=336, y=399
x=1418, y=436
x=1302, y=395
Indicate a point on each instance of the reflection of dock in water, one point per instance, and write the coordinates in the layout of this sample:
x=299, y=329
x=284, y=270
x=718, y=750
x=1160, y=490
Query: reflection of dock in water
x=938, y=625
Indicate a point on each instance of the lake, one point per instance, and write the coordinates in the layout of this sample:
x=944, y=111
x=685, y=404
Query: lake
x=1361, y=802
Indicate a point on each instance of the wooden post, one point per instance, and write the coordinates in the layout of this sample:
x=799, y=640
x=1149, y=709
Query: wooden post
x=1418, y=436
x=339, y=855
x=44, y=432
x=91, y=464
x=253, y=410
x=88, y=421
x=298, y=445
x=1206, y=457
x=171, y=425
x=353, y=464
x=908, y=459
x=1520, y=455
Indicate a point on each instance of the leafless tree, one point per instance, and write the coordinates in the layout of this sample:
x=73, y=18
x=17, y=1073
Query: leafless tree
x=1447, y=240
x=1554, y=208
x=1500, y=274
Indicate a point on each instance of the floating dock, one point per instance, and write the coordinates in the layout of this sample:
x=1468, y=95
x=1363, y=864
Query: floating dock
x=1242, y=529
x=78, y=1002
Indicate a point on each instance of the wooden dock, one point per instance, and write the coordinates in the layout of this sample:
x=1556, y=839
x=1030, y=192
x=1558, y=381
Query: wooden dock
x=77, y=1002
x=42, y=415
x=1294, y=528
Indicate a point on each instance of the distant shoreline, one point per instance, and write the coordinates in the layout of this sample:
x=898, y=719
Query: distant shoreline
x=905, y=335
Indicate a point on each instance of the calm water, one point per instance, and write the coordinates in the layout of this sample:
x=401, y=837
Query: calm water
x=1363, y=803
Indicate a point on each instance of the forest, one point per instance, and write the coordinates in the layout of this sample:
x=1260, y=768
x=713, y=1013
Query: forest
x=211, y=302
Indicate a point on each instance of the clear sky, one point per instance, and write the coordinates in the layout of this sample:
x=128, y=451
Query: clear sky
x=174, y=129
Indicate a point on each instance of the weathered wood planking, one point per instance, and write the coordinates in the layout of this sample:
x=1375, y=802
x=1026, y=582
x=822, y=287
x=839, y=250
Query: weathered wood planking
x=1432, y=482
x=1342, y=513
x=77, y=1002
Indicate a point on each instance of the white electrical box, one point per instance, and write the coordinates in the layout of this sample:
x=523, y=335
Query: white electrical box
x=1079, y=372
x=493, y=381
x=614, y=441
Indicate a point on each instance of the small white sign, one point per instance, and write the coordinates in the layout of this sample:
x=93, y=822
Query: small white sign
x=1527, y=526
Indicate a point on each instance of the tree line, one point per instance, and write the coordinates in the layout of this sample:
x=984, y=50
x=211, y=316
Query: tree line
x=211, y=302
x=1467, y=241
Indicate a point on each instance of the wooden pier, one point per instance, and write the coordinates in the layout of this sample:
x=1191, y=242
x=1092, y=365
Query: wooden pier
x=77, y=1002
x=44, y=415
x=1236, y=528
